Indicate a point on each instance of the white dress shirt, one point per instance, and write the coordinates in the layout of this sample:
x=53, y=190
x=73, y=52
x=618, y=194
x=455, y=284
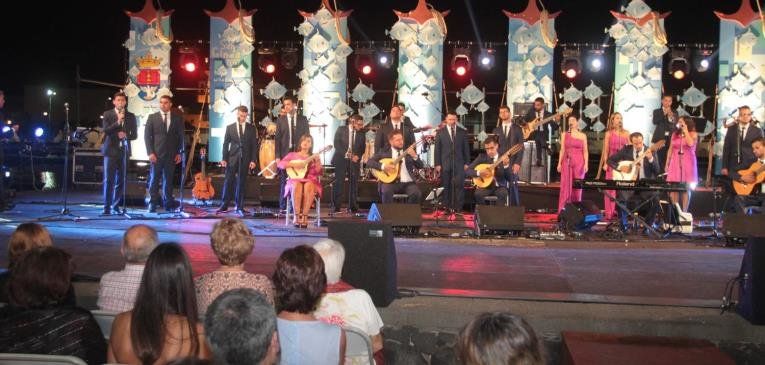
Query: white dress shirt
x=404, y=176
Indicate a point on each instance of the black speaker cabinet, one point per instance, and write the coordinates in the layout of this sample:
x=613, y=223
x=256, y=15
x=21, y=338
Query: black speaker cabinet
x=498, y=218
x=406, y=217
x=751, y=299
x=136, y=192
x=370, y=257
x=740, y=225
x=579, y=215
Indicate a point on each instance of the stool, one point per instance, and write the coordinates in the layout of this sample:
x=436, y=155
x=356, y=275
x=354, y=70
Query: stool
x=400, y=198
x=291, y=208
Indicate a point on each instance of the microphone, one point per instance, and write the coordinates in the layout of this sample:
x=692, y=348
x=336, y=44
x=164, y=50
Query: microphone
x=66, y=106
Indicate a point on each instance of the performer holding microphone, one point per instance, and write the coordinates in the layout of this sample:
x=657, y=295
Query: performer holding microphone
x=119, y=128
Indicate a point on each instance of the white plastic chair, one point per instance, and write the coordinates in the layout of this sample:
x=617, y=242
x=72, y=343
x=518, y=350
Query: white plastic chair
x=105, y=320
x=358, y=343
x=291, y=209
x=35, y=359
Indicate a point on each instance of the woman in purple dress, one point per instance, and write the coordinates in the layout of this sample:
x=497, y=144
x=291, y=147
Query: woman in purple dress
x=572, y=163
x=304, y=189
x=616, y=138
x=681, y=159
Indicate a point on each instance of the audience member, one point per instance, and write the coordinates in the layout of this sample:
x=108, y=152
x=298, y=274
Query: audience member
x=38, y=320
x=241, y=329
x=300, y=281
x=232, y=243
x=163, y=324
x=342, y=304
x=117, y=289
x=499, y=338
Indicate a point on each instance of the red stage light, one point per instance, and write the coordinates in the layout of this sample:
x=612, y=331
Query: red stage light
x=571, y=73
x=678, y=74
x=190, y=66
x=461, y=70
x=366, y=69
x=270, y=68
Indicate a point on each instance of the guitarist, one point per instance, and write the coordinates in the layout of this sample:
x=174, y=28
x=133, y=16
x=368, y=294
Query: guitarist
x=503, y=174
x=737, y=154
x=509, y=134
x=757, y=197
x=405, y=183
x=541, y=135
x=240, y=154
x=350, y=143
x=648, y=169
x=452, y=155
x=397, y=122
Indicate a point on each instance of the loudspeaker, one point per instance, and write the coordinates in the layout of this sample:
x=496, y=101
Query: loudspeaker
x=498, y=218
x=370, y=257
x=87, y=166
x=406, y=217
x=751, y=294
x=136, y=192
x=740, y=225
x=577, y=216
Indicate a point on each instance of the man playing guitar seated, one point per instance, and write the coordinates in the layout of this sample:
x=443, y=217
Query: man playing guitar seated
x=404, y=182
x=648, y=168
x=751, y=179
x=503, y=173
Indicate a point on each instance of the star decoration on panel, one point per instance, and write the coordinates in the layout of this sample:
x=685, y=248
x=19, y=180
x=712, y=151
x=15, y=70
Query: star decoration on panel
x=531, y=15
x=229, y=13
x=148, y=13
x=744, y=16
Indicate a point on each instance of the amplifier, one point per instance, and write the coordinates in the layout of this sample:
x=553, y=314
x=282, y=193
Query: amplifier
x=88, y=166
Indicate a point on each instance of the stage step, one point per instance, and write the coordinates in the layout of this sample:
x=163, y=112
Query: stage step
x=589, y=348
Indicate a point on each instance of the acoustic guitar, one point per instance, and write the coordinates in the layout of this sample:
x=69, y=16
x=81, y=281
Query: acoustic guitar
x=386, y=177
x=743, y=188
x=300, y=172
x=485, y=171
x=203, y=188
x=617, y=174
x=534, y=124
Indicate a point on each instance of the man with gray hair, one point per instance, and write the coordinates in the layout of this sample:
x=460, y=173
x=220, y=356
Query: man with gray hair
x=240, y=326
x=118, y=288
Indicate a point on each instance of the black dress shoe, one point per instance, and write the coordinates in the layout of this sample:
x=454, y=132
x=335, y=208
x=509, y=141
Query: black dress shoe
x=152, y=208
x=107, y=211
x=117, y=210
x=355, y=210
x=222, y=209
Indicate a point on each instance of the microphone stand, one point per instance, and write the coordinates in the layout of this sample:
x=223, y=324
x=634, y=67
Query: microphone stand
x=180, y=213
x=65, y=212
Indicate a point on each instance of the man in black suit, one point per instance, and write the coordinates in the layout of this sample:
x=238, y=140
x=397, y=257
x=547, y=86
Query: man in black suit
x=346, y=161
x=664, y=119
x=541, y=135
x=757, y=197
x=164, y=144
x=404, y=183
x=396, y=122
x=289, y=128
x=452, y=155
x=240, y=154
x=647, y=169
x=120, y=128
x=509, y=134
x=737, y=151
x=503, y=174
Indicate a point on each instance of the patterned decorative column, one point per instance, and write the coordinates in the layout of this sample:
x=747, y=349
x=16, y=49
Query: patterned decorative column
x=640, y=43
x=742, y=65
x=531, y=42
x=325, y=53
x=421, y=34
x=148, y=46
x=231, y=38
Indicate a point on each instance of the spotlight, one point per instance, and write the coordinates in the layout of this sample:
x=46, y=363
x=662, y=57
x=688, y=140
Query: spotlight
x=7, y=173
x=267, y=60
x=571, y=65
x=461, y=61
x=595, y=62
x=385, y=57
x=39, y=132
x=6, y=129
x=45, y=114
x=701, y=59
x=289, y=58
x=678, y=64
x=188, y=59
x=363, y=61
x=486, y=58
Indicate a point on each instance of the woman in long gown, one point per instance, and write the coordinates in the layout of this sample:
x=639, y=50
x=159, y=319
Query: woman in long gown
x=616, y=138
x=681, y=159
x=572, y=163
x=304, y=189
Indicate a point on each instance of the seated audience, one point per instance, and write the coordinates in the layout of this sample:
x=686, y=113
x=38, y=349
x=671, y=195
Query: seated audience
x=342, y=304
x=37, y=319
x=26, y=237
x=241, y=329
x=232, y=243
x=116, y=292
x=499, y=338
x=163, y=324
x=300, y=282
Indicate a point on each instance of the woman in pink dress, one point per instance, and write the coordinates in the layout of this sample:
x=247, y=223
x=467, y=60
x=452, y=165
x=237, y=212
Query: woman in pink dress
x=572, y=163
x=681, y=158
x=304, y=189
x=616, y=138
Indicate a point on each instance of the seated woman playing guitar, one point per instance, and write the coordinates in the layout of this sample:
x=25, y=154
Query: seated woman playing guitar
x=303, y=189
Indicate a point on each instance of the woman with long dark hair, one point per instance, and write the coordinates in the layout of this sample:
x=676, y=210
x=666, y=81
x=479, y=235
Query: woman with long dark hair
x=681, y=158
x=572, y=163
x=163, y=324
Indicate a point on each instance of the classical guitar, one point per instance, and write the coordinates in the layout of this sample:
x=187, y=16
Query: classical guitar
x=618, y=174
x=300, y=172
x=386, y=177
x=485, y=171
x=534, y=124
x=203, y=188
x=742, y=188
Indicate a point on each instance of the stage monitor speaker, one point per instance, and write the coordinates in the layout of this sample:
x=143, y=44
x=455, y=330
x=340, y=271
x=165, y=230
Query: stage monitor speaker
x=498, y=218
x=751, y=298
x=578, y=216
x=740, y=225
x=407, y=217
x=136, y=192
x=88, y=166
x=370, y=257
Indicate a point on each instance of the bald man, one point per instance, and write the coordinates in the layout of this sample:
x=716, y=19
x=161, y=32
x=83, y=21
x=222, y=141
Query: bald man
x=118, y=288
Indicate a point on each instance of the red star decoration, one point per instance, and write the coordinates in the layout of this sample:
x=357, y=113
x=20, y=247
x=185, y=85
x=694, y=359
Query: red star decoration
x=229, y=12
x=744, y=16
x=531, y=15
x=148, y=13
x=420, y=14
x=325, y=4
x=639, y=21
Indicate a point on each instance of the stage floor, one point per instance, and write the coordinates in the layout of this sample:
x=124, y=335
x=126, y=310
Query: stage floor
x=681, y=271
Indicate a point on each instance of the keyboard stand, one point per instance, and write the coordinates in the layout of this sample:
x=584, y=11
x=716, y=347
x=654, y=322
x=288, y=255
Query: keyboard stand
x=634, y=212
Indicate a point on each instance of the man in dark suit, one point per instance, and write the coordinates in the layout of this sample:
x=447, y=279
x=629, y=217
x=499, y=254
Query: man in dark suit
x=503, y=174
x=757, y=197
x=240, y=154
x=289, y=128
x=647, y=169
x=396, y=122
x=452, y=155
x=737, y=151
x=541, y=135
x=405, y=183
x=350, y=144
x=509, y=134
x=120, y=127
x=164, y=144
x=664, y=119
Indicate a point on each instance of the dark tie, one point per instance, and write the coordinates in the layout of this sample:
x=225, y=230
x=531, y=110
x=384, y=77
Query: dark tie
x=353, y=138
x=506, y=131
x=292, y=131
x=451, y=133
x=164, y=120
x=241, y=131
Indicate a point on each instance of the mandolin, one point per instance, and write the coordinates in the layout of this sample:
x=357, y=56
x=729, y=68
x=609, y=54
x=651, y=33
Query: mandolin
x=203, y=188
x=388, y=178
x=534, y=124
x=742, y=188
x=617, y=173
x=486, y=171
x=300, y=172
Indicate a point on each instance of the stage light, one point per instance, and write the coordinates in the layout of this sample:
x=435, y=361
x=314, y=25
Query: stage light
x=45, y=114
x=678, y=64
x=39, y=132
x=366, y=69
x=486, y=58
x=190, y=67
x=188, y=59
x=50, y=92
x=385, y=57
x=461, y=61
x=571, y=65
x=289, y=58
x=267, y=60
x=7, y=174
x=6, y=129
x=595, y=60
x=8, y=122
x=701, y=59
x=363, y=61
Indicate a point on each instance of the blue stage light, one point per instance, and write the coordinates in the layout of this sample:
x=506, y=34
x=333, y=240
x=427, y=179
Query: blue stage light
x=39, y=132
